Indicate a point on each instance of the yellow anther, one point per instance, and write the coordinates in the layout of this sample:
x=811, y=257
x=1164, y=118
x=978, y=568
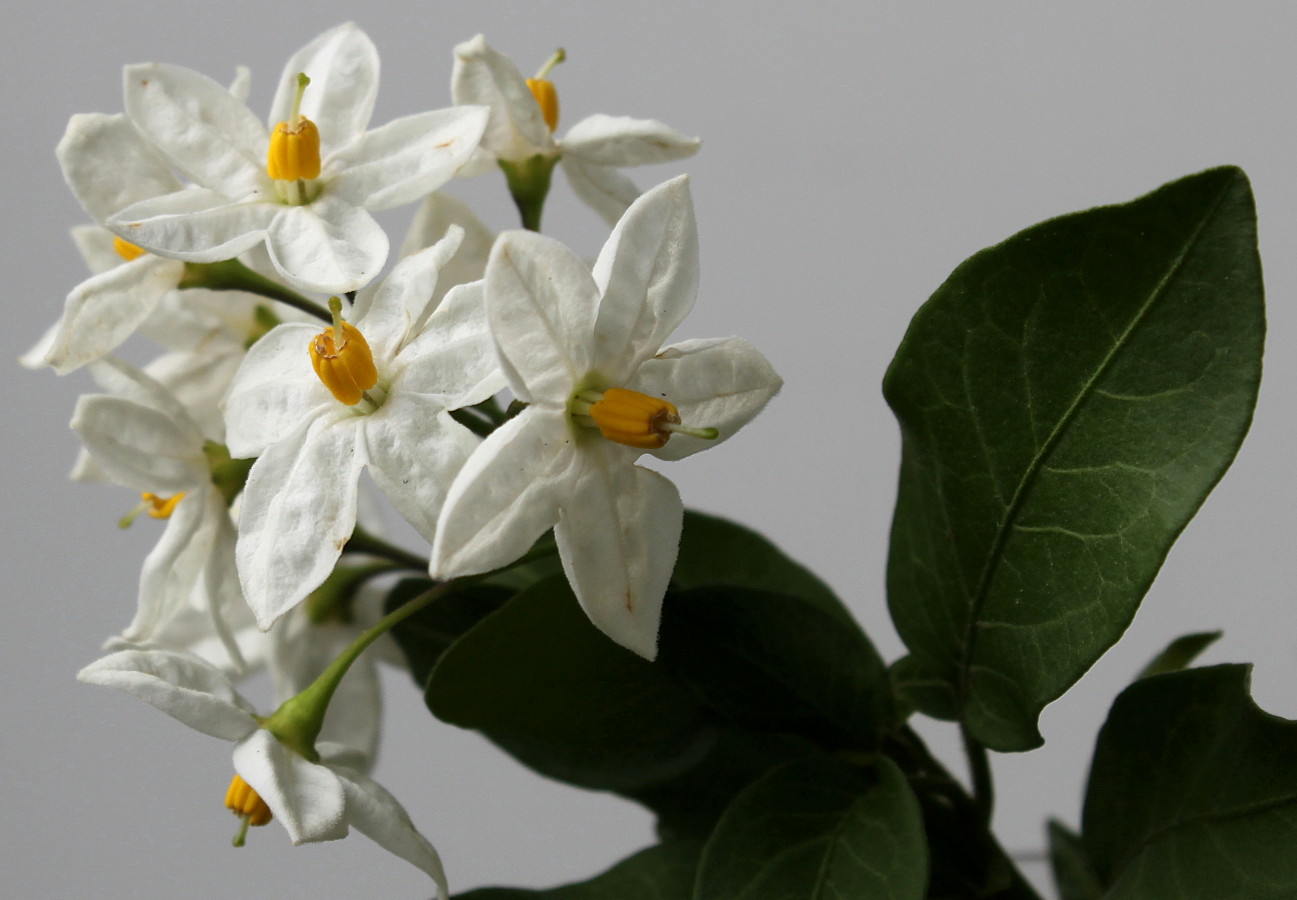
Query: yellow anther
x=294, y=151
x=247, y=804
x=546, y=98
x=342, y=359
x=634, y=419
x=126, y=250
x=160, y=507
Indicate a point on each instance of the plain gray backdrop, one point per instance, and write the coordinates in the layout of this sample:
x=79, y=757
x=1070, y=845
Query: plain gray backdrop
x=853, y=154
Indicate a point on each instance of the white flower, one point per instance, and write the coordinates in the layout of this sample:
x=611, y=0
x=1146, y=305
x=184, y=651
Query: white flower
x=315, y=800
x=315, y=221
x=591, y=151
x=570, y=340
x=299, y=505
x=141, y=437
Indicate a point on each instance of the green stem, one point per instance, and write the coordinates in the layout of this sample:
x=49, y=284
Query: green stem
x=232, y=275
x=362, y=541
x=979, y=768
x=529, y=186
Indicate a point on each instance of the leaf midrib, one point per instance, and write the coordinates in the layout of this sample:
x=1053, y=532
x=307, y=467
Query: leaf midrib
x=996, y=552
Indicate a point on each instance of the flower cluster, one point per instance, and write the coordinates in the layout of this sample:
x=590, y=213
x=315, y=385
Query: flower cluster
x=247, y=251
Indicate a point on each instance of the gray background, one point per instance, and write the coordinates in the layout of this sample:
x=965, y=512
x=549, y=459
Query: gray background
x=853, y=155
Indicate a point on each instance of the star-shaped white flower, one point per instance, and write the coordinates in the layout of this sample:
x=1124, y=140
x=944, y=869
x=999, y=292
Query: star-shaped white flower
x=570, y=340
x=591, y=151
x=141, y=437
x=299, y=505
x=315, y=800
x=316, y=225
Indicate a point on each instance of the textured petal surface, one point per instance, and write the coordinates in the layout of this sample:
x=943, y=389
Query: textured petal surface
x=432, y=220
x=306, y=798
x=618, y=538
x=720, y=383
x=138, y=446
x=195, y=225
x=483, y=77
x=506, y=496
x=201, y=128
x=603, y=188
x=541, y=302
x=623, y=141
x=109, y=165
x=648, y=275
x=299, y=509
x=274, y=389
x=406, y=158
x=184, y=687
x=415, y=450
x=378, y=816
x=105, y=309
x=172, y=568
x=329, y=246
x=396, y=309
x=453, y=359
x=342, y=64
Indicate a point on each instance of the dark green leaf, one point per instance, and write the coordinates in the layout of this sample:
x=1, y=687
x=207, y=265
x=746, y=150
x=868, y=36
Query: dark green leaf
x=425, y=635
x=664, y=872
x=717, y=551
x=1180, y=653
x=1193, y=792
x=1073, y=872
x=1067, y=399
x=537, y=678
x=771, y=662
x=818, y=827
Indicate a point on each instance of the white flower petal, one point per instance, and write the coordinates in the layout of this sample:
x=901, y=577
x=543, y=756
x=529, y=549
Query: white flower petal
x=184, y=687
x=34, y=358
x=299, y=509
x=506, y=496
x=130, y=383
x=376, y=814
x=648, y=275
x=415, y=449
x=541, y=302
x=483, y=77
x=204, y=131
x=329, y=246
x=618, y=539
x=274, y=389
x=432, y=220
x=453, y=358
x=719, y=383
x=195, y=225
x=106, y=309
x=242, y=83
x=221, y=584
x=342, y=64
x=95, y=244
x=199, y=380
x=406, y=158
x=307, y=798
x=171, y=569
x=605, y=189
x=389, y=315
x=623, y=141
x=109, y=165
x=139, y=447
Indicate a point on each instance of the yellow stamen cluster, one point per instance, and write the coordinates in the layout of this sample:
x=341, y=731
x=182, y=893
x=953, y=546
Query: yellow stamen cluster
x=634, y=419
x=294, y=151
x=246, y=803
x=126, y=250
x=546, y=98
x=160, y=507
x=342, y=359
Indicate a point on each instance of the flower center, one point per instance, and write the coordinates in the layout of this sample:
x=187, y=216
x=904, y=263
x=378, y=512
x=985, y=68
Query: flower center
x=293, y=156
x=126, y=250
x=247, y=804
x=543, y=90
x=631, y=418
x=343, y=361
x=158, y=507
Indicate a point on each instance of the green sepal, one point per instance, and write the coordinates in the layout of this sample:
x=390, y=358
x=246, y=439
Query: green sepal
x=529, y=181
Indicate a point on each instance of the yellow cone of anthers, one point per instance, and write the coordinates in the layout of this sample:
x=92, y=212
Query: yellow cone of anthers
x=160, y=507
x=342, y=359
x=126, y=250
x=246, y=803
x=546, y=98
x=638, y=420
x=294, y=151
